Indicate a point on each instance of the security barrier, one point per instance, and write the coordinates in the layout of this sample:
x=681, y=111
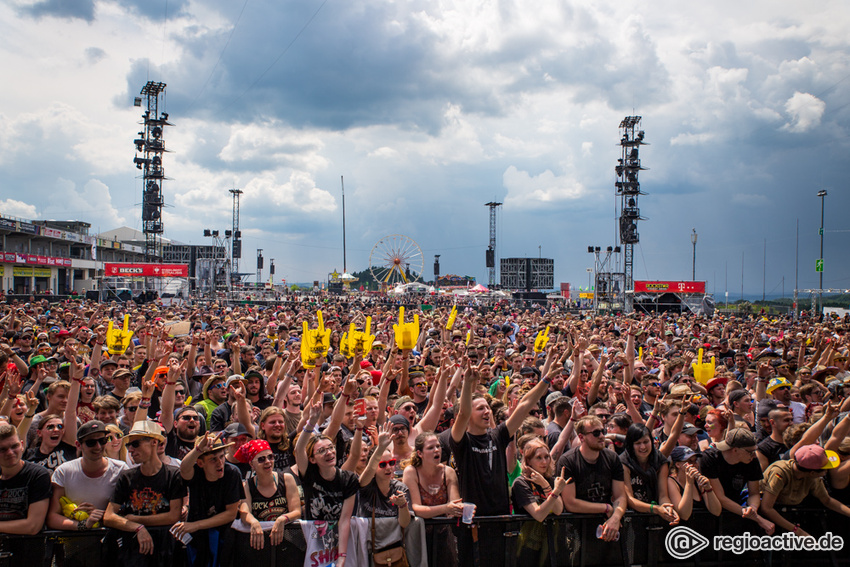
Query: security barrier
x=568, y=540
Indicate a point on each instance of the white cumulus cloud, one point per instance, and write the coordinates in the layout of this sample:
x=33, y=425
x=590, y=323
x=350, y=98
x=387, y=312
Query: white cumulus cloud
x=805, y=110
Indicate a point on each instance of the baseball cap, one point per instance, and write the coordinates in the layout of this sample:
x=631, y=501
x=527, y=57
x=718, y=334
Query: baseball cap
x=681, y=453
x=691, y=429
x=737, y=439
x=776, y=383
x=815, y=457
x=234, y=430
x=551, y=398
x=90, y=428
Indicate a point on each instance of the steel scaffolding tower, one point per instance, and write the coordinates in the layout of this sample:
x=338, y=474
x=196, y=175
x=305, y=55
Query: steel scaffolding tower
x=151, y=145
x=490, y=255
x=628, y=189
x=237, y=235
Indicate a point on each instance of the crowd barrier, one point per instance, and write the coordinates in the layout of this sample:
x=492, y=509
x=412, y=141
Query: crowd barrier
x=567, y=540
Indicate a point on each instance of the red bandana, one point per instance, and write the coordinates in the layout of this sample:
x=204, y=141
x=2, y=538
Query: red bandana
x=247, y=452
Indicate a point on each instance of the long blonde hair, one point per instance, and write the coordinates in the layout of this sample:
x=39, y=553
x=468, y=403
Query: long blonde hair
x=115, y=430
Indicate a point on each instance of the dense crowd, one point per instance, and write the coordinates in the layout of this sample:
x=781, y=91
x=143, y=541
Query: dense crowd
x=208, y=431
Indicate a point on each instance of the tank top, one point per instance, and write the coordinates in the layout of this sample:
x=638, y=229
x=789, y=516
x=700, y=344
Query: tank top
x=433, y=498
x=268, y=509
x=697, y=504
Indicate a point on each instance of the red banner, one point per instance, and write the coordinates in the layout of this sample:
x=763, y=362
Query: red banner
x=13, y=258
x=146, y=270
x=669, y=287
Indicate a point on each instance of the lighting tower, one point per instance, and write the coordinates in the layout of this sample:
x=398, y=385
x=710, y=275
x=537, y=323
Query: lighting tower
x=151, y=145
x=628, y=189
x=490, y=255
x=237, y=234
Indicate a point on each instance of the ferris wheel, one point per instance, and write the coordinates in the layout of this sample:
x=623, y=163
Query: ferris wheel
x=396, y=259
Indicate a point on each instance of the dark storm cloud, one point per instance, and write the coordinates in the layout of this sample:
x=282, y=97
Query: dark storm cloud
x=75, y=9
x=360, y=65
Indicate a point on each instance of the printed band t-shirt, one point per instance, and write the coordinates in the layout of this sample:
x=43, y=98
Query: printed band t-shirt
x=143, y=495
x=30, y=485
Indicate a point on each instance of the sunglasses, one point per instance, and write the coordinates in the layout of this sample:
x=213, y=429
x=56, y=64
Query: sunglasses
x=111, y=438
x=179, y=392
x=55, y=427
x=216, y=386
x=265, y=458
x=190, y=418
x=131, y=409
x=385, y=464
x=95, y=442
x=596, y=432
x=134, y=444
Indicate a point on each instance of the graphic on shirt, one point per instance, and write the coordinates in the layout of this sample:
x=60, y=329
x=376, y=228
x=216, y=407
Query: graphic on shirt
x=325, y=504
x=13, y=503
x=145, y=502
x=489, y=450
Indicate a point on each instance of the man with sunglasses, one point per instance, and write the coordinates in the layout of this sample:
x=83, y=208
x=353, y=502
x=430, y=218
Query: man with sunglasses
x=598, y=477
x=87, y=481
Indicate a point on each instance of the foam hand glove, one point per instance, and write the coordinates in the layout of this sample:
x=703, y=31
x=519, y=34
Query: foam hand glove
x=703, y=371
x=406, y=334
x=541, y=340
x=117, y=340
x=452, y=316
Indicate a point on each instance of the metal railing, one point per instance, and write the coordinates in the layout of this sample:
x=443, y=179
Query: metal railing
x=569, y=539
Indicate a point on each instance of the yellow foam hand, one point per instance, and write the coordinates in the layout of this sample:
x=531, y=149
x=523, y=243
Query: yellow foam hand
x=314, y=342
x=117, y=340
x=468, y=336
x=703, y=371
x=640, y=353
x=452, y=316
x=541, y=340
x=406, y=334
x=344, y=348
x=307, y=358
x=70, y=510
x=361, y=341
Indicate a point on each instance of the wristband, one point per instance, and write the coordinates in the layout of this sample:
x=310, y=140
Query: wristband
x=145, y=405
x=81, y=525
x=607, y=506
x=796, y=528
x=29, y=415
x=138, y=528
x=342, y=555
x=285, y=518
x=547, y=380
x=651, y=506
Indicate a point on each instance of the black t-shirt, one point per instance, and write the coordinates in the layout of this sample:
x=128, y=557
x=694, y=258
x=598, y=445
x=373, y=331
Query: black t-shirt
x=371, y=497
x=30, y=485
x=324, y=498
x=177, y=447
x=733, y=478
x=771, y=449
x=525, y=492
x=208, y=498
x=483, y=471
x=284, y=459
x=61, y=454
x=142, y=495
x=221, y=417
x=594, y=481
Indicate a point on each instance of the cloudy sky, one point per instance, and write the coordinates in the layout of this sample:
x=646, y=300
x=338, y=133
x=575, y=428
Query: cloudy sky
x=429, y=109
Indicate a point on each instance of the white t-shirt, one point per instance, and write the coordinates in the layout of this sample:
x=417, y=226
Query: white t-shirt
x=80, y=488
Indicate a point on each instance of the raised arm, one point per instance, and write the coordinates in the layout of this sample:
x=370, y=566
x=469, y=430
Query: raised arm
x=384, y=440
x=465, y=405
x=301, y=458
x=435, y=410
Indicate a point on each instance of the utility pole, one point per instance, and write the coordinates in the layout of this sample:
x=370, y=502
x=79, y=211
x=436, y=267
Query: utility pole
x=819, y=264
x=694, y=241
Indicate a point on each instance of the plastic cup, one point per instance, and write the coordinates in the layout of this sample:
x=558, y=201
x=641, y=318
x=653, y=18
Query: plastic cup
x=468, y=512
x=600, y=529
